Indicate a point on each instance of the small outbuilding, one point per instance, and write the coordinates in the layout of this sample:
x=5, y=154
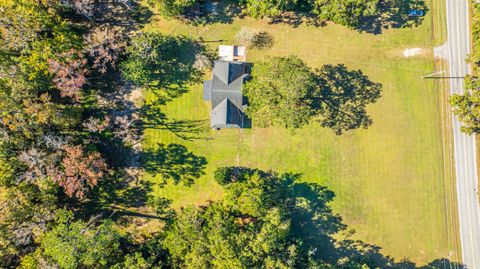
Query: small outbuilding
x=232, y=53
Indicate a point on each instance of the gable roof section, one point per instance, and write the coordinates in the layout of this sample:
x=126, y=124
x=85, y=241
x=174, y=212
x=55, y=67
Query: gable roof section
x=235, y=97
x=228, y=72
x=226, y=115
x=227, y=82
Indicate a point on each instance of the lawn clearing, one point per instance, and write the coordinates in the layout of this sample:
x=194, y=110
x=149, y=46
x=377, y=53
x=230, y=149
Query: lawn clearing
x=389, y=180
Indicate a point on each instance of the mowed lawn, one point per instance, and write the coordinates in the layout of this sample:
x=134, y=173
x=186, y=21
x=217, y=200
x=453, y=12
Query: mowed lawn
x=388, y=179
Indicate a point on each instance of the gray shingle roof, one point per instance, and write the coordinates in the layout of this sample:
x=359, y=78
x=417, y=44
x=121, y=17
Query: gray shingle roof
x=226, y=115
x=228, y=72
x=207, y=90
x=225, y=93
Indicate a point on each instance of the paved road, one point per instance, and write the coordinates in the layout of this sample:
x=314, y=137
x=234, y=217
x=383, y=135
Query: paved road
x=458, y=47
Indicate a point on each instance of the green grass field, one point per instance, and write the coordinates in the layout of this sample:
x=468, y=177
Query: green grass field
x=389, y=180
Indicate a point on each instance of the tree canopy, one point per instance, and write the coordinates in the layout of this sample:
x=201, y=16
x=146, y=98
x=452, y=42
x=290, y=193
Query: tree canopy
x=363, y=15
x=279, y=92
x=76, y=244
x=346, y=12
x=250, y=227
x=269, y=8
x=55, y=73
x=266, y=220
x=285, y=91
x=467, y=106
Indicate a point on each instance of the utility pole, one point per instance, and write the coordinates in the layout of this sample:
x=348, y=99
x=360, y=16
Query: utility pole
x=434, y=76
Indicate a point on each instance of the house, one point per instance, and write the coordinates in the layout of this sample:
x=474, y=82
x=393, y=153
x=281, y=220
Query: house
x=225, y=93
x=232, y=53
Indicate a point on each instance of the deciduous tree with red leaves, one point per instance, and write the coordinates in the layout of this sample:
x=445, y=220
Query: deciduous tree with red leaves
x=81, y=171
x=104, y=47
x=69, y=76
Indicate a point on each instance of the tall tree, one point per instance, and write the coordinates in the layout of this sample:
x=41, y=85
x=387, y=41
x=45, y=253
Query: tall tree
x=467, y=106
x=81, y=171
x=285, y=91
x=247, y=229
x=24, y=21
x=76, y=244
x=69, y=75
x=350, y=13
x=279, y=92
x=27, y=210
x=269, y=8
x=266, y=220
x=104, y=47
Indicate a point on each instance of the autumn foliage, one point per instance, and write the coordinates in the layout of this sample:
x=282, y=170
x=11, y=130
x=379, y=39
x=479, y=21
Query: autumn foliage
x=69, y=75
x=81, y=171
x=105, y=48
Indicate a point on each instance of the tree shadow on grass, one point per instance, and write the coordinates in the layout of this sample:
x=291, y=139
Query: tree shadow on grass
x=389, y=14
x=187, y=130
x=442, y=264
x=126, y=14
x=393, y=14
x=175, y=162
x=342, y=99
x=318, y=226
x=208, y=12
x=321, y=231
x=117, y=197
x=162, y=207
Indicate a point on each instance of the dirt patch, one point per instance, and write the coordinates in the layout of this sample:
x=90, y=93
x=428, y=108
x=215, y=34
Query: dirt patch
x=412, y=52
x=136, y=96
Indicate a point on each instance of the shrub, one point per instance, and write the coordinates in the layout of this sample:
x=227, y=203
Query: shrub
x=230, y=174
x=245, y=36
x=262, y=40
x=202, y=62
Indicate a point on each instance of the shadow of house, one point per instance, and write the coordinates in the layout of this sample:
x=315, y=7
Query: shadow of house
x=225, y=91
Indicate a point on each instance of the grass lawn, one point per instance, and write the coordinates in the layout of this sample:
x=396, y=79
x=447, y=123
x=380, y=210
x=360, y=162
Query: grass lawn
x=389, y=180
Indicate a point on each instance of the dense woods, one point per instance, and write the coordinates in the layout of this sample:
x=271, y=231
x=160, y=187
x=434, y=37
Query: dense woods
x=59, y=116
